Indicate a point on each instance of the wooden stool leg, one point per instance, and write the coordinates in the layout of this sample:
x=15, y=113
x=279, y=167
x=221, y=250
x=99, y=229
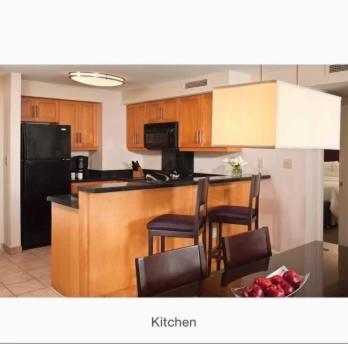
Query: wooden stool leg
x=163, y=243
x=205, y=238
x=210, y=245
x=150, y=243
x=219, y=246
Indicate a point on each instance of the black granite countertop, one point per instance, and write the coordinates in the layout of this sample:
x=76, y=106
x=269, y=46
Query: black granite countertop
x=67, y=200
x=130, y=185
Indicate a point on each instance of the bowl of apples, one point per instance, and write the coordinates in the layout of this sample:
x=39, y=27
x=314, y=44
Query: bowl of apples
x=280, y=283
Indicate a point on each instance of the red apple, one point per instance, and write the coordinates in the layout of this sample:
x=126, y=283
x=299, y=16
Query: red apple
x=275, y=291
x=277, y=279
x=293, y=278
x=263, y=282
x=288, y=288
x=253, y=291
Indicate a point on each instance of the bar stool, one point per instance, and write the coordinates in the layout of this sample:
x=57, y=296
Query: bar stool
x=182, y=226
x=233, y=215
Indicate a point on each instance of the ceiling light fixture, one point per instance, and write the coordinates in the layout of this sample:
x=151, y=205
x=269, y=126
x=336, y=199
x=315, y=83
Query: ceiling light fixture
x=97, y=79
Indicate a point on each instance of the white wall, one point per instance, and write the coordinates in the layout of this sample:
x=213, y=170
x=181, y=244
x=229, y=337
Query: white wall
x=112, y=153
x=2, y=166
x=12, y=119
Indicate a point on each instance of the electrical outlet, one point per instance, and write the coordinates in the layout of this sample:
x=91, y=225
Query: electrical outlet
x=287, y=163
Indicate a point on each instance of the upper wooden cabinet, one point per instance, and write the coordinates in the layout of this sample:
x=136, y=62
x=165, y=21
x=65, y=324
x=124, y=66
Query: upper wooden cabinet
x=83, y=117
x=40, y=110
x=135, y=126
x=161, y=111
x=195, y=120
x=194, y=114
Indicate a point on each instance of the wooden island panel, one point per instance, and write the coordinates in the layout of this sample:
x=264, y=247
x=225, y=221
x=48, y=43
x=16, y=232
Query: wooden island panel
x=112, y=232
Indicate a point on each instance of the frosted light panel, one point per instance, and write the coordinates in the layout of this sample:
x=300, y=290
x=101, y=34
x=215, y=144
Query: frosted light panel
x=275, y=114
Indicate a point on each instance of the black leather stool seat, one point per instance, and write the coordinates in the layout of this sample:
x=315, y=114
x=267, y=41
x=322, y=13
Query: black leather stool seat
x=182, y=223
x=227, y=213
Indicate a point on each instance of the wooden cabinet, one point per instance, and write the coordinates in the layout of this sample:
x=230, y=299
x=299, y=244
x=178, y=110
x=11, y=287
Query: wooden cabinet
x=135, y=126
x=161, y=111
x=195, y=120
x=83, y=117
x=194, y=114
x=40, y=110
x=67, y=116
x=87, y=125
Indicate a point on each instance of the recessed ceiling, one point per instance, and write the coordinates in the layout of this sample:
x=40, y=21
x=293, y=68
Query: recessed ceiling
x=135, y=75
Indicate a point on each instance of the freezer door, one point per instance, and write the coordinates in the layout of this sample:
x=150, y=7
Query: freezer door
x=40, y=179
x=45, y=141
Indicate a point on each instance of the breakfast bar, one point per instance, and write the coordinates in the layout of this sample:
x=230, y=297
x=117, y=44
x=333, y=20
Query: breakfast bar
x=97, y=236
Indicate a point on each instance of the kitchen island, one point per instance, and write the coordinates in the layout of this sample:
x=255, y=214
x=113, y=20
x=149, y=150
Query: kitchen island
x=97, y=236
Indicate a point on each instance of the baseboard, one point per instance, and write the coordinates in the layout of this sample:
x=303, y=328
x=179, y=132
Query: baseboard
x=12, y=250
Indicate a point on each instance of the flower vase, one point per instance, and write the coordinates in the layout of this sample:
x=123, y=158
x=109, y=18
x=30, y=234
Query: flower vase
x=237, y=171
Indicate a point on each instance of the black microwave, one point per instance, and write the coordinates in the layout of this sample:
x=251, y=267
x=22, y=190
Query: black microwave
x=161, y=135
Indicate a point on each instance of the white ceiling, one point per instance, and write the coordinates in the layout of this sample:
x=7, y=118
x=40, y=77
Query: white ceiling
x=135, y=75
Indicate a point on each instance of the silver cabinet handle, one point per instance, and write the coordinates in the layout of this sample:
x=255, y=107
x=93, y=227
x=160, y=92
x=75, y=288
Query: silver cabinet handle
x=80, y=137
x=197, y=140
x=201, y=136
x=33, y=111
x=37, y=111
x=136, y=138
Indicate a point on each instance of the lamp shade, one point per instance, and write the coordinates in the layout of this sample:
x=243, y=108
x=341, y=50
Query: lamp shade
x=275, y=114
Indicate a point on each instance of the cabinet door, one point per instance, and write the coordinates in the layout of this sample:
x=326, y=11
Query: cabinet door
x=87, y=125
x=169, y=110
x=195, y=121
x=47, y=110
x=135, y=125
x=28, y=109
x=67, y=116
x=153, y=112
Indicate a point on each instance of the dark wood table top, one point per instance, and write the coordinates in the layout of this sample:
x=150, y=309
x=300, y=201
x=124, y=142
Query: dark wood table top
x=327, y=264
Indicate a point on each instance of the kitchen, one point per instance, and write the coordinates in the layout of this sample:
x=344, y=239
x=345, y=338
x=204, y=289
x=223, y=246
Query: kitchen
x=163, y=102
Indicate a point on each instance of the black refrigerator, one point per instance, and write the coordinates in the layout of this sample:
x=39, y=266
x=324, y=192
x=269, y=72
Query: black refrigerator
x=45, y=171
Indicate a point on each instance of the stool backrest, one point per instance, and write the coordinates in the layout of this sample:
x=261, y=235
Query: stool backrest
x=171, y=269
x=246, y=247
x=254, y=194
x=201, y=203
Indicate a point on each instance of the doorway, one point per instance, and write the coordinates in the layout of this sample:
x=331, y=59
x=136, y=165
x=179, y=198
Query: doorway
x=331, y=195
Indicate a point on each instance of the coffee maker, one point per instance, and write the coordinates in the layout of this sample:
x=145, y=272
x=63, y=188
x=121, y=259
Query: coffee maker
x=80, y=166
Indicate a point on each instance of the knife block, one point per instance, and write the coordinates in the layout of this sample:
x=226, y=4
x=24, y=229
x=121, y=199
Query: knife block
x=139, y=173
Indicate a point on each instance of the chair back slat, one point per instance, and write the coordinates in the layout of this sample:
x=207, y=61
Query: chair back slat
x=246, y=247
x=201, y=209
x=254, y=194
x=171, y=269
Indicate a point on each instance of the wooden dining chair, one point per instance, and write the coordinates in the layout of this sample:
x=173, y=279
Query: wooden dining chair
x=182, y=226
x=171, y=269
x=246, y=248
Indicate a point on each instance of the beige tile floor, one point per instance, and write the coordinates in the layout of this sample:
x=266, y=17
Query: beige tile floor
x=26, y=274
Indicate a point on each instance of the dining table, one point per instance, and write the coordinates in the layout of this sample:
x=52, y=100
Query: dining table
x=326, y=263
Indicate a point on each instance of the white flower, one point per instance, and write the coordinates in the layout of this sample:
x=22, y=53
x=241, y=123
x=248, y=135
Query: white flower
x=237, y=161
